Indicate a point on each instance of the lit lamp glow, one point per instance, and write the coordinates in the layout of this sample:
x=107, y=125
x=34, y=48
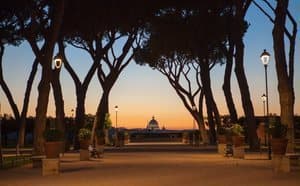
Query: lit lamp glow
x=57, y=61
x=265, y=57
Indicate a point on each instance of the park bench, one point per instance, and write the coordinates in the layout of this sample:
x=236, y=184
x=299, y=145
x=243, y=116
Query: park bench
x=286, y=162
x=37, y=161
x=293, y=160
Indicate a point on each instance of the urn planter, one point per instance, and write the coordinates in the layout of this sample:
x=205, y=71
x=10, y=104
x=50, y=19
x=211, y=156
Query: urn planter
x=53, y=148
x=279, y=145
x=84, y=144
x=238, y=141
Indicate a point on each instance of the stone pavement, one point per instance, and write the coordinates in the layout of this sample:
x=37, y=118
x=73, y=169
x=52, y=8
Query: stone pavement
x=166, y=168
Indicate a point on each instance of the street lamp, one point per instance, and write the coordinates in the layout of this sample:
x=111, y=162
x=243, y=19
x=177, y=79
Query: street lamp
x=264, y=98
x=116, y=131
x=57, y=61
x=265, y=57
x=194, y=108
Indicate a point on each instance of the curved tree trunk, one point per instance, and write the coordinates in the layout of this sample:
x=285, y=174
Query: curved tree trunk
x=200, y=120
x=206, y=83
x=103, y=107
x=45, y=58
x=81, y=90
x=59, y=102
x=80, y=113
x=285, y=81
x=102, y=110
x=6, y=89
x=227, y=84
x=216, y=113
x=41, y=109
x=22, y=129
x=245, y=93
x=80, y=108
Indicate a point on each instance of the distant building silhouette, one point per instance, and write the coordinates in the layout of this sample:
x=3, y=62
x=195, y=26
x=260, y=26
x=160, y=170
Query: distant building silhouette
x=153, y=124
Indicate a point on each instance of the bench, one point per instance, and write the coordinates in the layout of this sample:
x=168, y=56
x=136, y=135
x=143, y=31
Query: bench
x=37, y=161
x=293, y=158
x=285, y=162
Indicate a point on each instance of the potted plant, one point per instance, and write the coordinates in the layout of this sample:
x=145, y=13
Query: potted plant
x=237, y=135
x=278, y=133
x=84, y=136
x=53, y=144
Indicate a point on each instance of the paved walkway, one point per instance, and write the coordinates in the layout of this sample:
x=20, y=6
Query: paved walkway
x=155, y=169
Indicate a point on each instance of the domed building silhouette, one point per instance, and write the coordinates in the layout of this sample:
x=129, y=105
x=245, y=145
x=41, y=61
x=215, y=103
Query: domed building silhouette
x=153, y=124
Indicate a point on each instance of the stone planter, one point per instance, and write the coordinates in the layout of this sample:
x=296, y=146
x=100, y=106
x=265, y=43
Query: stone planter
x=84, y=144
x=100, y=140
x=279, y=145
x=100, y=149
x=222, y=139
x=239, y=152
x=53, y=148
x=238, y=141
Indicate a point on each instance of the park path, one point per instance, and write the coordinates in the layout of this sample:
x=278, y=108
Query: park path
x=155, y=169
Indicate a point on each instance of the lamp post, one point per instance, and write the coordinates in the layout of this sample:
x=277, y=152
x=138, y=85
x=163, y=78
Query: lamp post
x=116, y=130
x=264, y=98
x=265, y=57
x=73, y=134
x=194, y=140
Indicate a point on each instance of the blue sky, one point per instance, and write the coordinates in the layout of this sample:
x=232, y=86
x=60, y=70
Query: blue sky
x=142, y=92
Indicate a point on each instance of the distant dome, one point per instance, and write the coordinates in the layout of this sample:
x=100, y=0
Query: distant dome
x=153, y=124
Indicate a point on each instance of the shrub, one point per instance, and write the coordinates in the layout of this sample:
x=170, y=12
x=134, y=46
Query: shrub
x=277, y=129
x=84, y=134
x=53, y=135
x=237, y=130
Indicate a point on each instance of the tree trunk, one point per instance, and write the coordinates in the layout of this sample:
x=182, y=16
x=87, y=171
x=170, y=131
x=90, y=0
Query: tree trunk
x=22, y=129
x=245, y=93
x=45, y=59
x=216, y=112
x=8, y=93
x=206, y=83
x=80, y=108
x=59, y=102
x=102, y=110
x=227, y=84
x=80, y=114
x=41, y=109
x=200, y=120
x=6, y=89
x=81, y=90
x=285, y=87
x=103, y=107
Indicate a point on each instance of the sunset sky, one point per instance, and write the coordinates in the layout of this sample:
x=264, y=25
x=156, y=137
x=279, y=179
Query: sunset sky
x=141, y=92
